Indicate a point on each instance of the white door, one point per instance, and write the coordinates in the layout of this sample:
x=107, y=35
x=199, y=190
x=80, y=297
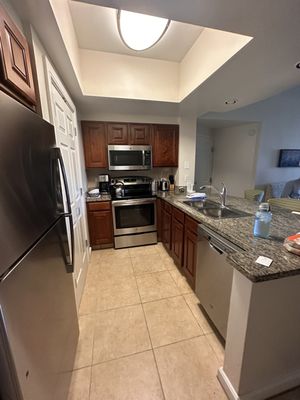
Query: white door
x=65, y=122
x=204, y=161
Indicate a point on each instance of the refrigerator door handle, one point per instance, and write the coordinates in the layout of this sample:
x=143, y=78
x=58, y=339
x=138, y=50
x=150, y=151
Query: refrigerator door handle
x=70, y=262
x=64, y=175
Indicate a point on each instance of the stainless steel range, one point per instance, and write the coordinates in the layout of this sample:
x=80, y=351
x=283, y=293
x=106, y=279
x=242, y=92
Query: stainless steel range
x=134, y=211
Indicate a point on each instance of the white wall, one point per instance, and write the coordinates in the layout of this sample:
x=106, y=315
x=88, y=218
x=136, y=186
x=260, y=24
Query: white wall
x=280, y=129
x=234, y=157
x=187, y=150
x=203, y=163
x=123, y=76
x=210, y=51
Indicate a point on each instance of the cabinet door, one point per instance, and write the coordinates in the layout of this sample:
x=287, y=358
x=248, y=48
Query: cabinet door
x=190, y=256
x=139, y=134
x=117, y=133
x=94, y=141
x=15, y=57
x=166, y=229
x=165, y=145
x=177, y=241
x=100, y=227
x=158, y=218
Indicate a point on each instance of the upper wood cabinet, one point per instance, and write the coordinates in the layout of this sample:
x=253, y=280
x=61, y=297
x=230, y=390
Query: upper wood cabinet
x=16, y=71
x=95, y=144
x=117, y=133
x=97, y=135
x=139, y=134
x=165, y=145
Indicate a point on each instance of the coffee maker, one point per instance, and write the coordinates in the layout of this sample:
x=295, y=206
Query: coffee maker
x=104, y=184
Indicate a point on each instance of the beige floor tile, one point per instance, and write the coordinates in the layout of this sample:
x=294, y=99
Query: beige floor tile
x=193, y=302
x=80, y=384
x=217, y=346
x=156, y=286
x=120, y=332
x=181, y=282
x=148, y=263
x=111, y=295
x=188, y=371
x=170, y=320
x=143, y=250
x=84, y=352
x=88, y=304
x=169, y=264
x=129, y=378
x=114, y=271
x=293, y=394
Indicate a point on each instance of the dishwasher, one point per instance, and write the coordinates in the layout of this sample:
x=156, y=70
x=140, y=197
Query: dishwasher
x=214, y=276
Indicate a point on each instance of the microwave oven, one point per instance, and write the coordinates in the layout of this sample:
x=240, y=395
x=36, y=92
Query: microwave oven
x=129, y=157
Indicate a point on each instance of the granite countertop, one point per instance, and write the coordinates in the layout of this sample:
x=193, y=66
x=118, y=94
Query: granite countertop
x=102, y=197
x=240, y=232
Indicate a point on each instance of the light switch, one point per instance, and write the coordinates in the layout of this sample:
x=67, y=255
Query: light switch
x=186, y=164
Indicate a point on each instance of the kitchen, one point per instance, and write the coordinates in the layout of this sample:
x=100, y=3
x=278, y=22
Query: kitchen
x=155, y=107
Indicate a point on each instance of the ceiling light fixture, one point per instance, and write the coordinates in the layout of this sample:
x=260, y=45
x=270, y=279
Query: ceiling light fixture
x=139, y=31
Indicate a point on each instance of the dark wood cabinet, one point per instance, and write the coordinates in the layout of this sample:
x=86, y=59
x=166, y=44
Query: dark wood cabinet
x=95, y=144
x=158, y=218
x=139, y=134
x=166, y=229
x=100, y=224
x=117, y=133
x=16, y=70
x=190, y=250
x=165, y=140
x=177, y=241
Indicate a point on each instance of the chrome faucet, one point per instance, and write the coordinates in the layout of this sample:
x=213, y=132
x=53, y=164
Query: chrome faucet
x=222, y=194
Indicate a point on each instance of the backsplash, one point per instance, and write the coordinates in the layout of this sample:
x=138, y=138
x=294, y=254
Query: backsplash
x=155, y=173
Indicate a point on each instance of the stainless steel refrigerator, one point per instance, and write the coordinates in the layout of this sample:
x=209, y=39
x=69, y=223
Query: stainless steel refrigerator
x=38, y=318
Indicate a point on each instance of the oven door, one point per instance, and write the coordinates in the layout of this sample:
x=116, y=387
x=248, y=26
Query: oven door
x=134, y=216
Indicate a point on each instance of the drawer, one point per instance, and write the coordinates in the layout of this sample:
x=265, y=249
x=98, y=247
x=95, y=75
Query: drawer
x=99, y=206
x=168, y=207
x=191, y=224
x=179, y=215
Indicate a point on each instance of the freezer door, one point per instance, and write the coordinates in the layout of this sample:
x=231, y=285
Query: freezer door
x=28, y=200
x=38, y=321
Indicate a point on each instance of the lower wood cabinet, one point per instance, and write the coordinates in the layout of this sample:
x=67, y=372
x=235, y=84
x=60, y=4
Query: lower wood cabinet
x=158, y=218
x=166, y=229
x=100, y=224
x=178, y=233
x=190, y=250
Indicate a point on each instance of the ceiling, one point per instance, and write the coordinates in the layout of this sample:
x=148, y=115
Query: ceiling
x=96, y=29
x=265, y=67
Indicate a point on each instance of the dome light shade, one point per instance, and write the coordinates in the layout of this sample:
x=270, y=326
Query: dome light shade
x=139, y=31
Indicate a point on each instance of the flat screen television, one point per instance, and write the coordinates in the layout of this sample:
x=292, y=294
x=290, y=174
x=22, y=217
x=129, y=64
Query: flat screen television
x=289, y=158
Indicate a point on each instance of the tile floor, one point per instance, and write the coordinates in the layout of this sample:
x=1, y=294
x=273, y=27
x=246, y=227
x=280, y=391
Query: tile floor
x=142, y=334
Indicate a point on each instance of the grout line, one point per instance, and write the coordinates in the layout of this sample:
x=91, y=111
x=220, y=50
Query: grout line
x=193, y=313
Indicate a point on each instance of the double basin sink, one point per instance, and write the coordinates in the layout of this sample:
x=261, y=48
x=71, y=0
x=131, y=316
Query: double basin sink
x=212, y=209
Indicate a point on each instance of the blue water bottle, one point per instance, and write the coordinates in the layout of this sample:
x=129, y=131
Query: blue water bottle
x=262, y=222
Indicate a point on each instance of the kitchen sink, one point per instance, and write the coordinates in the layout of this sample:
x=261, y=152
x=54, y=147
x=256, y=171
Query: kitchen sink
x=214, y=210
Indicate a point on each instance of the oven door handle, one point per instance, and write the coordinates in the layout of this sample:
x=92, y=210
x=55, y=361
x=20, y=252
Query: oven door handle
x=132, y=202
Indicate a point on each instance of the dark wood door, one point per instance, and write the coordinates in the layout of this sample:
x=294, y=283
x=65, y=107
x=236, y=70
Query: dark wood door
x=166, y=231
x=140, y=134
x=94, y=141
x=16, y=65
x=165, y=145
x=190, y=256
x=177, y=241
x=100, y=228
x=158, y=218
x=117, y=133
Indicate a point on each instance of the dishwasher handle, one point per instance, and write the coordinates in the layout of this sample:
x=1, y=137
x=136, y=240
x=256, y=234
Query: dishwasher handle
x=215, y=248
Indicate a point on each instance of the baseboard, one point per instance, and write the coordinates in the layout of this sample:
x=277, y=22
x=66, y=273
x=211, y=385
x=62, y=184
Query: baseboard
x=279, y=386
